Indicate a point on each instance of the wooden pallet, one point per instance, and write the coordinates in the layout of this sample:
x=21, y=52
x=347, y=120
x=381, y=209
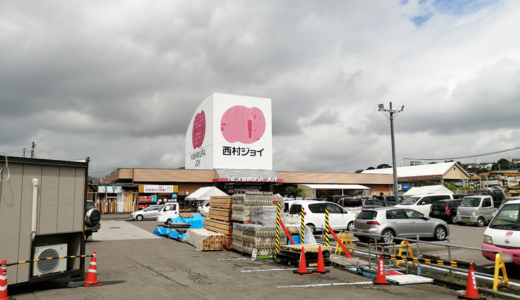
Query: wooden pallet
x=220, y=214
x=219, y=226
x=204, y=214
x=186, y=215
x=307, y=248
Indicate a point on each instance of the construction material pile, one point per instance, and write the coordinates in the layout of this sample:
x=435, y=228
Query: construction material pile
x=265, y=215
x=204, y=239
x=247, y=237
x=242, y=204
x=219, y=218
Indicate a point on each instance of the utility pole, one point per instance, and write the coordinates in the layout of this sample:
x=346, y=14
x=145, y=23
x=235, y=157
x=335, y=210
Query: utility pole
x=32, y=149
x=23, y=152
x=389, y=113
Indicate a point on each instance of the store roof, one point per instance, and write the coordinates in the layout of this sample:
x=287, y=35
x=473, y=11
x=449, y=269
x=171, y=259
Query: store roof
x=430, y=170
x=337, y=186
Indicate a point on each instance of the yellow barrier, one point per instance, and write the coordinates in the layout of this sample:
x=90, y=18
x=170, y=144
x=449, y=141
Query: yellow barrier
x=409, y=253
x=500, y=265
x=345, y=240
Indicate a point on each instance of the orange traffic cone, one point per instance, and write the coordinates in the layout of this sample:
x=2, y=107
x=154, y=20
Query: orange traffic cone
x=302, y=269
x=381, y=274
x=321, y=265
x=471, y=286
x=3, y=280
x=92, y=273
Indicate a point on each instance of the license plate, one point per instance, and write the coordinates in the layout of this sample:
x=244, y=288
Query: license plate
x=465, y=220
x=436, y=212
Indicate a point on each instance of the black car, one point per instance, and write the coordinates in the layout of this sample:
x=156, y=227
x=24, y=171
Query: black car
x=388, y=199
x=445, y=210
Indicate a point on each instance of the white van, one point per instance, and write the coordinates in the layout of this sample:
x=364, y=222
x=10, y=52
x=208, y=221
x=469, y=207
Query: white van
x=503, y=233
x=169, y=210
x=422, y=203
x=339, y=219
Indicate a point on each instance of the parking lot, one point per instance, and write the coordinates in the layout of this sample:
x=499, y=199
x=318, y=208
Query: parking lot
x=133, y=263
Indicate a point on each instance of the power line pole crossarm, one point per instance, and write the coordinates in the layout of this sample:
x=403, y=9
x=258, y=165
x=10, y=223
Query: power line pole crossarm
x=391, y=112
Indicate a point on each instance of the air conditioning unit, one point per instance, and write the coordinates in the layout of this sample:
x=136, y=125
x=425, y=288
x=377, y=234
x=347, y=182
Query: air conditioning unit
x=45, y=266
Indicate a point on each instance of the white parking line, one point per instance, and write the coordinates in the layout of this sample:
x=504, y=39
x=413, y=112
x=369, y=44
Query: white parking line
x=323, y=284
x=268, y=270
x=232, y=258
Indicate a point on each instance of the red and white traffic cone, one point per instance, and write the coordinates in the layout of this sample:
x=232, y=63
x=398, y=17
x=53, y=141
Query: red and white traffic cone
x=92, y=273
x=381, y=273
x=3, y=280
x=471, y=286
x=321, y=265
x=302, y=269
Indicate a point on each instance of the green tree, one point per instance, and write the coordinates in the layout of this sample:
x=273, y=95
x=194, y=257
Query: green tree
x=501, y=164
x=370, y=168
x=450, y=186
x=359, y=171
x=293, y=191
x=384, y=166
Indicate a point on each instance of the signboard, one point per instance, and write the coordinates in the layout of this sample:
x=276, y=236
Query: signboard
x=158, y=189
x=230, y=132
x=110, y=189
x=406, y=186
x=415, y=163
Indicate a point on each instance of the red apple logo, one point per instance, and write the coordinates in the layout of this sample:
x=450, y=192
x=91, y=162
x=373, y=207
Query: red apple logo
x=199, y=130
x=242, y=124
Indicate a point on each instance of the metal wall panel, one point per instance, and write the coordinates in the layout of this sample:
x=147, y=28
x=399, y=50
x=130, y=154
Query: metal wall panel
x=79, y=200
x=10, y=209
x=24, y=252
x=48, y=206
x=66, y=199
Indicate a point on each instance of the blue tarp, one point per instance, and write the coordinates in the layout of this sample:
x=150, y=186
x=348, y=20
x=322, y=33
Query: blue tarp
x=296, y=238
x=196, y=222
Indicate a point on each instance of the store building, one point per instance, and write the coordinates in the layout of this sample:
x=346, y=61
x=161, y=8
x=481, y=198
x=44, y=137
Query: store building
x=229, y=145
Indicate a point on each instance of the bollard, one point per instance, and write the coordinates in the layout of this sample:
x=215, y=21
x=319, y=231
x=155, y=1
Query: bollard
x=302, y=226
x=277, y=245
x=327, y=232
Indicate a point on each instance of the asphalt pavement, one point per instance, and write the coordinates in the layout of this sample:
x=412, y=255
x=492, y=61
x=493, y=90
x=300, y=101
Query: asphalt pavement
x=154, y=268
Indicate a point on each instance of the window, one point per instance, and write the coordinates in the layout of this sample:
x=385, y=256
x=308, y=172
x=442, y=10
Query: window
x=425, y=200
x=367, y=215
x=334, y=209
x=295, y=209
x=396, y=214
x=317, y=208
x=486, y=203
x=412, y=214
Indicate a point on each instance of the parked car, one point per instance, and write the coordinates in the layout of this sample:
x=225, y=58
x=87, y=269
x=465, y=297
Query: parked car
x=476, y=209
x=445, y=210
x=392, y=222
x=339, y=219
x=169, y=210
x=149, y=213
x=350, y=202
x=506, y=200
x=503, y=233
x=92, y=220
x=422, y=203
x=389, y=199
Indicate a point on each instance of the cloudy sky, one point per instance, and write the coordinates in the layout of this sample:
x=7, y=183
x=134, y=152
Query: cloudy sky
x=118, y=81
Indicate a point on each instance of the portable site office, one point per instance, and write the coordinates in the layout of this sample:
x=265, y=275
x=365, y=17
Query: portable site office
x=55, y=191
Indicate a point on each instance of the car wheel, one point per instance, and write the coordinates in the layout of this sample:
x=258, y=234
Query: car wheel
x=440, y=233
x=388, y=236
x=454, y=219
x=481, y=222
x=139, y=218
x=351, y=226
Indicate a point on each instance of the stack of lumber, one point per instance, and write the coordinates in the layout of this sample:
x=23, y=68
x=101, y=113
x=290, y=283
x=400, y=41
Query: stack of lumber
x=247, y=237
x=242, y=204
x=186, y=215
x=290, y=254
x=219, y=218
x=204, y=239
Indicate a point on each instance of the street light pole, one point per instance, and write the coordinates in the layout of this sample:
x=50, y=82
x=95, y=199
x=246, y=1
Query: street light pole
x=391, y=112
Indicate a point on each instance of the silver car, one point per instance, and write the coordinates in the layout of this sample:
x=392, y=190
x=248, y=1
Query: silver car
x=149, y=213
x=391, y=222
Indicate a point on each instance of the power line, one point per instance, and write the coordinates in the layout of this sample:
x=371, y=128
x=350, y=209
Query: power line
x=469, y=156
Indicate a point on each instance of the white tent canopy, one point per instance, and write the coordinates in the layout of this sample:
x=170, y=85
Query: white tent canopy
x=205, y=193
x=429, y=189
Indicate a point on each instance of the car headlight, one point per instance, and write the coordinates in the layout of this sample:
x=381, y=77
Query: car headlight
x=488, y=240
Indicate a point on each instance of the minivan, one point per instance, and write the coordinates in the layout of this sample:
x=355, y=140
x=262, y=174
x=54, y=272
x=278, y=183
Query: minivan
x=422, y=203
x=314, y=214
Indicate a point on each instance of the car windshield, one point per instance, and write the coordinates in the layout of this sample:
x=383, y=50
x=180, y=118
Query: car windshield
x=410, y=201
x=439, y=204
x=507, y=218
x=470, y=202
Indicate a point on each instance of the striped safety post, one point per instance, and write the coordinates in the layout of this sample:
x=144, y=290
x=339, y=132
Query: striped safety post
x=277, y=245
x=302, y=226
x=3, y=280
x=327, y=232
